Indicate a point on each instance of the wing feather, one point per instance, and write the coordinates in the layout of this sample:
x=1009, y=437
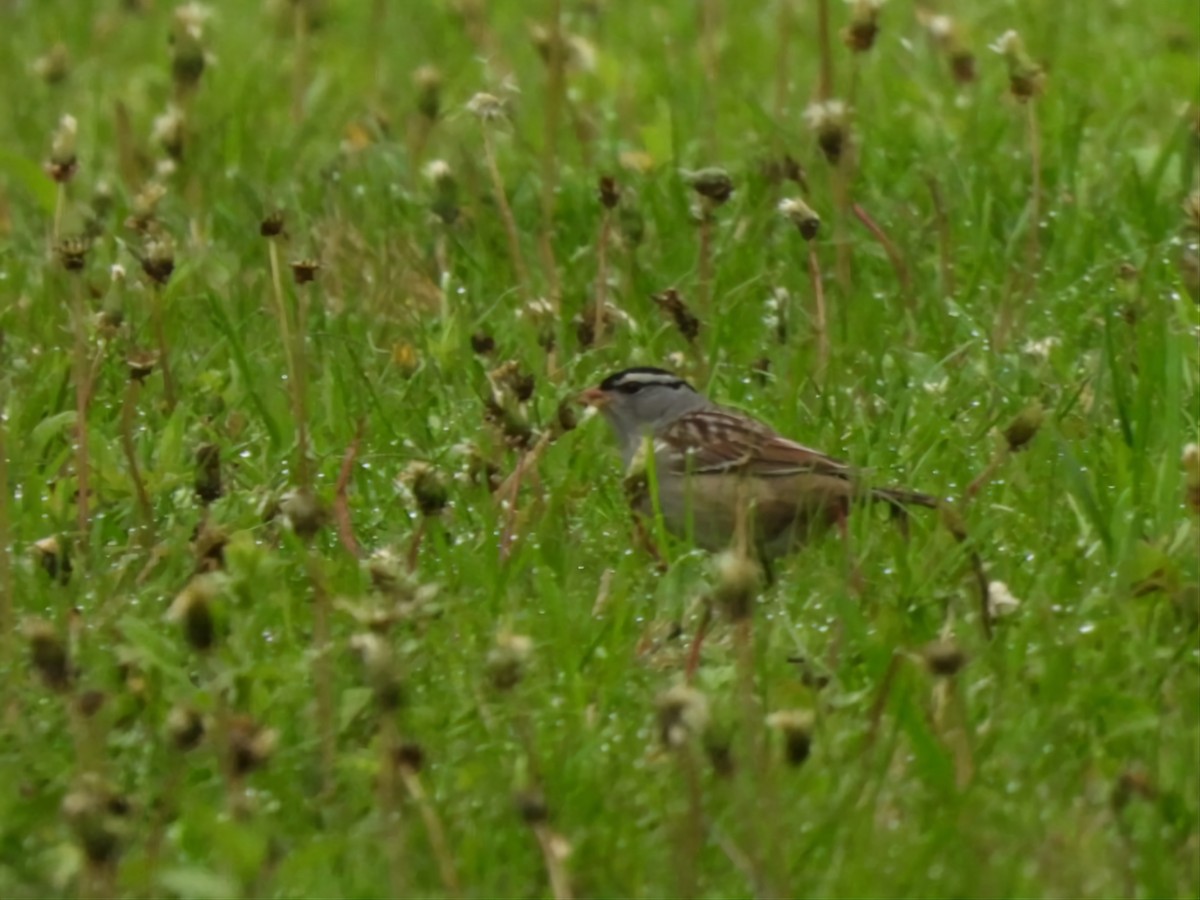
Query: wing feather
x=715, y=440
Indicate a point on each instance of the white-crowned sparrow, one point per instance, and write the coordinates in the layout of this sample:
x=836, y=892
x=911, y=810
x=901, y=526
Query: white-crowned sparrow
x=713, y=465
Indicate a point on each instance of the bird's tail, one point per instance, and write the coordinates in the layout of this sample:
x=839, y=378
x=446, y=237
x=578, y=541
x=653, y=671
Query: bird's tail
x=899, y=498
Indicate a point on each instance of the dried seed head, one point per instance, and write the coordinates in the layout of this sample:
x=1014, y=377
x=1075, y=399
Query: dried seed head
x=962, y=66
x=170, y=131
x=427, y=80
x=507, y=660
x=62, y=163
x=565, y=418
x=1132, y=783
x=52, y=556
x=509, y=377
x=718, y=747
x=713, y=184
x=445, y=199
x=410, y=755
x=390, y=578
x=682, y=715
x=1024, y=427
x=543, y=41
x=158, y=260
x=860, y=34
x=208, y=546
x=1001, y=601
x=947, y=35
x=738, y=581
x=305, y=513
x=786, y=168
x=48, y=653
x=185, y=728
x=944, y=658
x=271, y=225
x=1026, y=79
x=54, y=65
x=380, y=668
x=503, y=411
x=305, y=270
x=250, y=745
x=486, y=107
x=427, y=486
x=90, y=702
x=140, y=364
x=607, y=192
x=187, y=44
x=145, y=205
x=96, y=815
x=438, y=172
x=531, y=806
x=193, y=610
x=670, y=302
x=800, y=214
x=482, y=343
x=72, y=252
x=208, y=473
x=795, y=726
x=830, y=121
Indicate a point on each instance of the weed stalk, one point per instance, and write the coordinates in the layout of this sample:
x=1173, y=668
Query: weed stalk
x=506, y=214
x=555, y=95
x=82, y=381
x=128, y=411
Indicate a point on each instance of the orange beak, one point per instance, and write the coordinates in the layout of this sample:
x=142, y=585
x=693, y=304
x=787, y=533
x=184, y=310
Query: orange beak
x=594, y=397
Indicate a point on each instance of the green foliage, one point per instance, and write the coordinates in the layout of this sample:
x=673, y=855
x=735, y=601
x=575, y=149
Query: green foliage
x=1061, y=761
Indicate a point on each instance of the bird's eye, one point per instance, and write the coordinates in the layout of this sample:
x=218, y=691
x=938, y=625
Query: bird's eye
x=630, y=387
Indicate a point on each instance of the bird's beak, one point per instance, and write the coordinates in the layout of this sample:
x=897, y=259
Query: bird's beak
x=594, y=397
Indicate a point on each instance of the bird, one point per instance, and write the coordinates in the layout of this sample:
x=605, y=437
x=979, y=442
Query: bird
x=714, y=465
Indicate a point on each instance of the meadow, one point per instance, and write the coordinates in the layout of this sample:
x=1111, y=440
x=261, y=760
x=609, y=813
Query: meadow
x=316, y=580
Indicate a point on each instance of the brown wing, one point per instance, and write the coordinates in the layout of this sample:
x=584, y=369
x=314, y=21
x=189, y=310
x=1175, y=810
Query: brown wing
x=715, y=440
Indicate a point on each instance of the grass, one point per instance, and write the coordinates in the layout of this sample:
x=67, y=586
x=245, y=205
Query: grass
x=521, y=731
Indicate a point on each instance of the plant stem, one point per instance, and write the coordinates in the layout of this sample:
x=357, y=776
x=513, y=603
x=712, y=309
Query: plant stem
x=550, y=843
x=300, y=389
x=322, y=674
x=341, y=502
x=82, y=380
x=601, y=293
x=389, y=812
x=820, y=322
x=841, y=235
x=1035, y=192
x=555, y=91
x=434, y=829
x=145, y=510
x=300, y=62
x=783, y=28
x=895, y=257
x=689, y=828
x=295, y=388
x=157, y=318
x=7, y=620
x=60, y=203
x=825, y=47
x=506, y=215
x=705, y=262
x=709, y=15
x=945, y=239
